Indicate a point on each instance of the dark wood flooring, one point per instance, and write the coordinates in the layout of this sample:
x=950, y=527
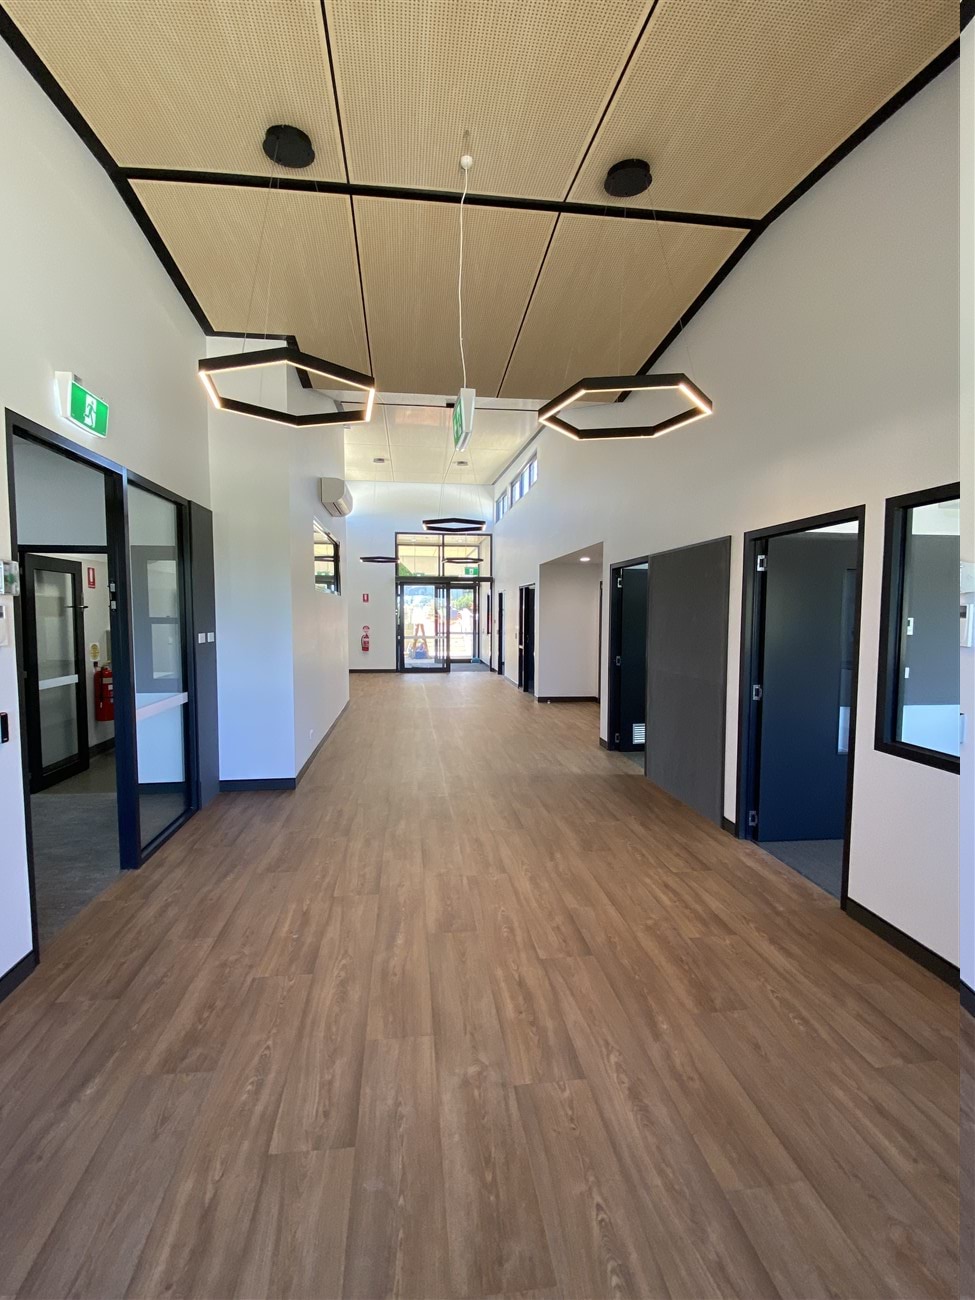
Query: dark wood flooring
x=476, y=1012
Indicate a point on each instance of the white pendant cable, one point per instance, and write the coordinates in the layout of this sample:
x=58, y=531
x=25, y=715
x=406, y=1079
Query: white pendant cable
x=466, y=162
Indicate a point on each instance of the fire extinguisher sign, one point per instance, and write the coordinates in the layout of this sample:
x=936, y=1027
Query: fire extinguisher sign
x=91, y=576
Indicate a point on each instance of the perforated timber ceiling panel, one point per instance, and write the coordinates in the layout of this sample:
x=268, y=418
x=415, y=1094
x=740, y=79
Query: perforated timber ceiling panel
x=527, y=78
x=607, y=295
x=409, y=264
x=734, y=103
x=306, y=283
x=190, y=83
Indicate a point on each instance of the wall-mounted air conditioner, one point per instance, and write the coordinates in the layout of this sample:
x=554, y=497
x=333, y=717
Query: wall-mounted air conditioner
x=336, y=497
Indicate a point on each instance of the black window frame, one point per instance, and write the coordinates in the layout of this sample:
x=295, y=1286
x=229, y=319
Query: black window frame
x=897, y=513
x=333, y=559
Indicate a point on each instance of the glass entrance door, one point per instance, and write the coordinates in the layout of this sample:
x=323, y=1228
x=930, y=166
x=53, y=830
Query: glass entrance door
x=55, y=644
x=463, y=624
x=422, y=627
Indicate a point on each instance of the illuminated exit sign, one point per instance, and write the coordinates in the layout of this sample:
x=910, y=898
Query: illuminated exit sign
x=80, y=406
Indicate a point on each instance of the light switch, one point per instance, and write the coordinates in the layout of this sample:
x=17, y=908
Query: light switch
x=201, y=638
x=211, y=636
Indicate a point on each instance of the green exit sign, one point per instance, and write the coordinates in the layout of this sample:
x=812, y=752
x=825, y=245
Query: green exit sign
x=470, y=571
x=87, y=410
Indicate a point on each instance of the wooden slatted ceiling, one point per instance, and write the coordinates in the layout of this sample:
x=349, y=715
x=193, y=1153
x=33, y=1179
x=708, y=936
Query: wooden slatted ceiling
x=190, y=83
x=734, y=103
x=409, y=255
x=305, y=283
x=607, y=294
x=527, y=79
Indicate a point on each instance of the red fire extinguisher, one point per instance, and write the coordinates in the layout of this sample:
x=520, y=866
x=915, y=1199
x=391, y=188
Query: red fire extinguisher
x=104, y=695
x=364, y=639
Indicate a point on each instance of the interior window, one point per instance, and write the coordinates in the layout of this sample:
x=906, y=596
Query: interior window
x=326, y=561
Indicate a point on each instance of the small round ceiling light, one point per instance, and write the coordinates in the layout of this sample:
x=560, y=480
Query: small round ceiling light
x=627, y=179
x=289, y=146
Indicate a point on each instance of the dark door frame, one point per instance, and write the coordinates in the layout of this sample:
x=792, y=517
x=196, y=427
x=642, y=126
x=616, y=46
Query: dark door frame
x=30, y=563
x=522, y=656
x=117, y=482
x=751, y=670
x=499, y=623
x=438, y=585
x=614, y=673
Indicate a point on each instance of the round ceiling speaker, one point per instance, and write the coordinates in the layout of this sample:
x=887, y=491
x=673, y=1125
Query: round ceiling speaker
x=626, y=179
x=289, y=146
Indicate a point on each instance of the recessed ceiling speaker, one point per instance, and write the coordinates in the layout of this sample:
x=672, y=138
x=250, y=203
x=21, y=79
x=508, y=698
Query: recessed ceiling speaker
x=626, y=179
x=289, y=146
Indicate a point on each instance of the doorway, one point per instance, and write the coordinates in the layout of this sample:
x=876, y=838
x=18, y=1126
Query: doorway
x=422, y=627
x=800, y=656
x=628, y=655
x=526, y=638
x=105, y=625
x=500, y=622
x=463, y=612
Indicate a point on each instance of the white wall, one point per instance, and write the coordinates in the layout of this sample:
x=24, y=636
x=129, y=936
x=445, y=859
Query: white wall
x=82, y=291
x=567, y=630
x=379, y=512
x=967, y=427
x=831, y=353
x=281, y=656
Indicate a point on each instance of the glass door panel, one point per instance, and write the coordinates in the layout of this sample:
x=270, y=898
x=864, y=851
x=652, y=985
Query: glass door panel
x=463, y=619
x=422, y=627
x=58, y=719
x=159, y=634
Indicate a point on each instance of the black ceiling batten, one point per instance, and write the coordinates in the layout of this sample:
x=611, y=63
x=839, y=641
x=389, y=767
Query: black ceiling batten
x=300, y=361
x=700, y=405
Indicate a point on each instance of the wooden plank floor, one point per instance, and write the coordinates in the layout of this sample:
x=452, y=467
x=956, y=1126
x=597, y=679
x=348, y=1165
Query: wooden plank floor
x=475, y=1012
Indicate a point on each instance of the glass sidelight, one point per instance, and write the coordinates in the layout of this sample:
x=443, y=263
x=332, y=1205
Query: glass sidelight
x=159, y=647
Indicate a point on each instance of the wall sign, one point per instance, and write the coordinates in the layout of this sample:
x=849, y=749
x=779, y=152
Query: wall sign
x=365, y=598
x=80, y=406
x=91, y=575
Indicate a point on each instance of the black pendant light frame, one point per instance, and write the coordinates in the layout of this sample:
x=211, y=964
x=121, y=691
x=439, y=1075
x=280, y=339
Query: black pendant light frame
x=377, y=559
x=287, y=355
x=451, y=524
x=700, y=405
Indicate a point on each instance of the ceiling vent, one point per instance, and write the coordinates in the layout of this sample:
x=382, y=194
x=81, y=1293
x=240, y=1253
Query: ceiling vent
x=336, y=497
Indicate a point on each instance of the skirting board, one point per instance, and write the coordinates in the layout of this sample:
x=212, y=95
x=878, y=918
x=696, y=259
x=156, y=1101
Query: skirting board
x=373, y=670
x=102, y=747
x=931, y=961
x=567, y=699
x=16, y=975
x=728, y=825
x=604, y=742
x=967, y=998
x=280, y=782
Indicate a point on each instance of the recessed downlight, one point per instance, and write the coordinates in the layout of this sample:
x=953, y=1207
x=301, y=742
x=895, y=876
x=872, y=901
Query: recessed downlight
x=585, y=559
x=379, y=460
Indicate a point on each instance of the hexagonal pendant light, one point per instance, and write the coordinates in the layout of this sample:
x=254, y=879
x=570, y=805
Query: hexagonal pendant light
x=453, y=524
x=287, y=355
x=701, y=405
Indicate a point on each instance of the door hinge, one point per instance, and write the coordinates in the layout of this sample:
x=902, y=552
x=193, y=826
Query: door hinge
x=619, y=581
x=757, y=692
x=761, y=564
x=753, y=820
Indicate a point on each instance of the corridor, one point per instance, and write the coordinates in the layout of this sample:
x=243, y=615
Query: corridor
x=474, y=1012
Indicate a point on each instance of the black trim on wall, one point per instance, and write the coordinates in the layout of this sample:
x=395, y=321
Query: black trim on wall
x=906, y=93
x=17, y=974
x=750, y=670
x=966, y=992
x=567, y=699
x=728, y=825
x=889, y=673
x=258, y=784
x=917, y=952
